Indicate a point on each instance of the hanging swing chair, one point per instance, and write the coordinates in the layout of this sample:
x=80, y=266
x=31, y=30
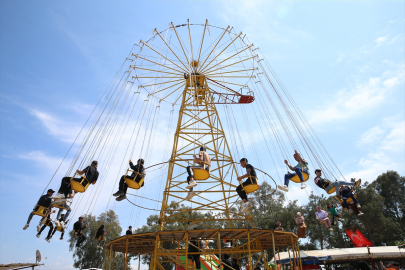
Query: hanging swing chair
x=40, y=210
x=296, y=179
x=130, y=180
x=79, y=186
x=252, y=187
x=328, y=185
x=60, y=203
x=202, y=173
x=350, y=202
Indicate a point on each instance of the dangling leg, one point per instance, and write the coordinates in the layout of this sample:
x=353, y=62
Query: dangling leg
x=41, y=230
x=299, y=171
x=28, y=221
x=67, y=212
x=287, y=178
x=242, y=194
x=120, y=187
x=49, y=236
x=190, y=179
x=337, y=184
x=350, y=195
x=191, y=193
x=61, y=236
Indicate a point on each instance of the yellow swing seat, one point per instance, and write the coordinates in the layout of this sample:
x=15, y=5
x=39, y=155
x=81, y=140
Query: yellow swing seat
x=79, y=186
x=131, y=183
x=59, y=229
x=330, y=191
x=252, y=187
x=201, y=173
x=296, y=179
x=348, y=200
x=41, y=210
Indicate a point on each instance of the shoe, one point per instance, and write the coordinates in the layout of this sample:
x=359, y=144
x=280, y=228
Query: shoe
x=26, y=226
x=61, y=238
x=118, y=193
x=47, y=240
x=98, y=246
x=358, y=183
x=38, y=228
x=121, y=197
x=330, y=229
x=190, y=195
x=360, y=214
x=303, y=185
x=38, y=235
x=358, y=205
x=283, y=188
x=191, y=184
x=246, y=206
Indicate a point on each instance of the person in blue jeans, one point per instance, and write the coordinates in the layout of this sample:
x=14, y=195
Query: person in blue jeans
x=346, y=193
x=298, y=169
x=69, y=209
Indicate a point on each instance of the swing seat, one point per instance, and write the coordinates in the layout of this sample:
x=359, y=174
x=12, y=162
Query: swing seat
x=61, y=205
x=41, y=210
x=252, y=187
x=59, y=229
x=296, y=179
x=201, y=173
x=131, y=183
x=79, y=186
x=330, y=191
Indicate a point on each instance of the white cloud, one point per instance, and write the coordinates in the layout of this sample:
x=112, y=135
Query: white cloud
x=359, y=99
x=42, y=159
x=64, y=131
x=380, y=39
x=387, y=145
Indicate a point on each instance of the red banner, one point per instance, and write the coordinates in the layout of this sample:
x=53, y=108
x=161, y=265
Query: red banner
x=357, y=238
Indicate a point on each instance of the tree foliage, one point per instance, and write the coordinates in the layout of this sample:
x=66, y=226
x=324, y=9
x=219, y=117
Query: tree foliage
x=88, y=255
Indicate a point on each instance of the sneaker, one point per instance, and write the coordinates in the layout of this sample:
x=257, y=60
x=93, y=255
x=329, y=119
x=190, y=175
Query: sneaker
x=360, y=214
x=47, y=240
x=358, y=182
x=246, y=206
x=38, y=235
x=190, y=195
x=191, y=184
x=61, y=238
x=38, y=228
x=121, y=197
x=330, y=229
x=26, y=226
x=358, y=205
x=98, y=246
x=118, y=193
x=283, y=188
x=303, y=185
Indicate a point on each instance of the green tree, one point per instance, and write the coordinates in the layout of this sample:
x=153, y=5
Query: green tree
x=392, y=186
x=88, y=255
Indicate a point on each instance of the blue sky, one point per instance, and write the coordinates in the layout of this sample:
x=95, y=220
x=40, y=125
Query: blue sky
x=343, y=62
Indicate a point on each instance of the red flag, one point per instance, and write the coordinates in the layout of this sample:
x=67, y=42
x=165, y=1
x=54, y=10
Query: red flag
x=357, y=238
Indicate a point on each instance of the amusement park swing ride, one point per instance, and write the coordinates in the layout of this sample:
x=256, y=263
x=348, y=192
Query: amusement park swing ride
x=209, y=77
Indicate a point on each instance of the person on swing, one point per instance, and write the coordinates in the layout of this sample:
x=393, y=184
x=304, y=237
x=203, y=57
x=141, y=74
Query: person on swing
x=324, y=184
x=204, y=162
x=138, y=174
x=301, y=167
x=91, y=174
x=252, y=179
